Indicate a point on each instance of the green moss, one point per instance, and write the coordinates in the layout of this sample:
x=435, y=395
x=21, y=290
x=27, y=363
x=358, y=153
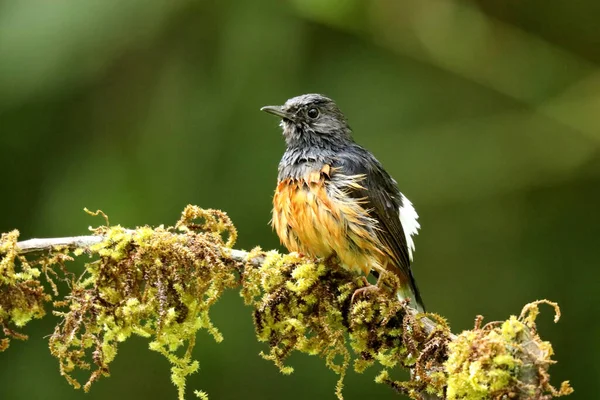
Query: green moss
x=201, y=395
x=512, y=328
x=22, y=296
x=300, y=305
x=482, y=363
x=150, y=282
x=160, y=284
x=295, y=311
x=501, y=359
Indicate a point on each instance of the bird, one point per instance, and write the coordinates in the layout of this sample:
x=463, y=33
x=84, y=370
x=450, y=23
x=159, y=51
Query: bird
x=334, y=199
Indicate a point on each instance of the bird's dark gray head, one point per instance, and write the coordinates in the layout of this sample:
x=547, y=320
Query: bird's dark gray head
x=312, y=120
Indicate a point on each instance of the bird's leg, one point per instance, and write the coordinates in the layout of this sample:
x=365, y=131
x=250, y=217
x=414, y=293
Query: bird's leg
x=368, y=288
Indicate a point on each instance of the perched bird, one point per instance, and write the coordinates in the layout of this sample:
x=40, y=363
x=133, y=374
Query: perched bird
x=335, y=199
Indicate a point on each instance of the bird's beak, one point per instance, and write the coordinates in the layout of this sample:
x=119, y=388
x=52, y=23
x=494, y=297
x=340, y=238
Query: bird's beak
x=277, y=110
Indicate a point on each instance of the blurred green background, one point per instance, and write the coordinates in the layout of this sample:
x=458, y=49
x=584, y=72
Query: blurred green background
x=486, y=112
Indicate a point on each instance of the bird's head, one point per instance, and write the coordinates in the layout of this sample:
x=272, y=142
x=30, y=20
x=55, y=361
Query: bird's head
x=311, y=120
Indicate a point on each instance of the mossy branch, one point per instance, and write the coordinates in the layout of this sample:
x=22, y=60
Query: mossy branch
x=160, y=283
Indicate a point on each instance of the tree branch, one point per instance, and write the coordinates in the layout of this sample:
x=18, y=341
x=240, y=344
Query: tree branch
x=160, y=283
x=49, y=244
x=85, y=242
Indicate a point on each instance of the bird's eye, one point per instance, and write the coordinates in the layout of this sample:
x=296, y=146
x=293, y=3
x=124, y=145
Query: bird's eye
x=313, y=113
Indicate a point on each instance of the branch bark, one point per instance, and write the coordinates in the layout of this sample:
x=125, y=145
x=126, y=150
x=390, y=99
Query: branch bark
x=84, y=242
x=48, y=244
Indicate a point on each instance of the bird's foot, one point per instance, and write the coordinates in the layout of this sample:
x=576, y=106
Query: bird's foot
x=365, y=291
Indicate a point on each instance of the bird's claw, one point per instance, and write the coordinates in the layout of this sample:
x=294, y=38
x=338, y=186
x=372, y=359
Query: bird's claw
x=364, y=291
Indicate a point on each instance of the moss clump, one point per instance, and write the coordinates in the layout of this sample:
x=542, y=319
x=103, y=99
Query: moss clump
x=304, y=306
x=154, y=283
x=22, y=296
x=293, y=312
x=502, y=360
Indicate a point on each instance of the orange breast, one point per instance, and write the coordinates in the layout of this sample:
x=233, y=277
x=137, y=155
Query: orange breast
x=314, y=216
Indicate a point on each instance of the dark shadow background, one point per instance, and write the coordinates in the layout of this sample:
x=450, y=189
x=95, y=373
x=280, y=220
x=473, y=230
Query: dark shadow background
x=487, y=114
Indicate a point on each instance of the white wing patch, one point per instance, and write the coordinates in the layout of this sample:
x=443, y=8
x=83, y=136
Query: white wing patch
x=408, y=219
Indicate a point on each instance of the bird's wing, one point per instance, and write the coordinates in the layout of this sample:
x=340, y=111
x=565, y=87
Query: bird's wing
x=385, y=204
